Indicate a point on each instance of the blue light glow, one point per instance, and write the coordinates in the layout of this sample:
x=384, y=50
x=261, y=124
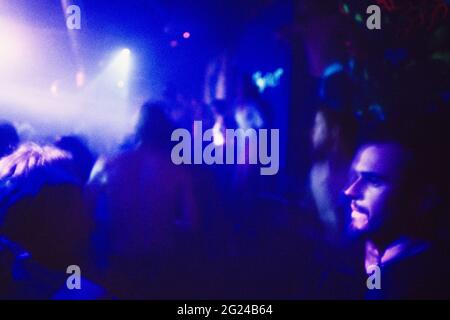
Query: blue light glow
x=269, y=80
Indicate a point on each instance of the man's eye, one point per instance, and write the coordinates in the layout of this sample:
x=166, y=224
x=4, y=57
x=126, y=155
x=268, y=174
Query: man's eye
x=375, y=181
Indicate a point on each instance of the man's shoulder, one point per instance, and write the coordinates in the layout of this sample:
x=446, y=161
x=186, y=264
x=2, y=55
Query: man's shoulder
x=424, y=275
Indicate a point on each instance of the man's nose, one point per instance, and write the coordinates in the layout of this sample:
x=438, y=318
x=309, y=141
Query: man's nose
x=354, y=190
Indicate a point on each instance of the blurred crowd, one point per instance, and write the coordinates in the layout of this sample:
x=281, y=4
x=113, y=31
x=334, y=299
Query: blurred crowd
x=363, y=180
x=140, y=227
x=137, y=225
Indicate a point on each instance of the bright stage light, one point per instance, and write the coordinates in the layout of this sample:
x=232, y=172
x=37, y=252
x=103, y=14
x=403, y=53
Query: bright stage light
x=123, y=59
x=119, y=69
x=43, y=89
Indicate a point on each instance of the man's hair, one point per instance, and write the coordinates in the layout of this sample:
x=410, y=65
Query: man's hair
x=28, y=157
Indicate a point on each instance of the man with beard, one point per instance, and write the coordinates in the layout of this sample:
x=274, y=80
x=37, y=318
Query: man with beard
x=397, y=206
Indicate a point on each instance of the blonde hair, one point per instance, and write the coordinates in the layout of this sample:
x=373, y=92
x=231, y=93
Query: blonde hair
x=28, y=157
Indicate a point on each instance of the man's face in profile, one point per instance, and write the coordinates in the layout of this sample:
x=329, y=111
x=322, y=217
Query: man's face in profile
x=376, y=187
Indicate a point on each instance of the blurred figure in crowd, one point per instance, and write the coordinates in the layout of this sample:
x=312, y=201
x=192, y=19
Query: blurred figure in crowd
x=44, y=225
x=149, y=210
x=83, y=158
x=333, y=140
